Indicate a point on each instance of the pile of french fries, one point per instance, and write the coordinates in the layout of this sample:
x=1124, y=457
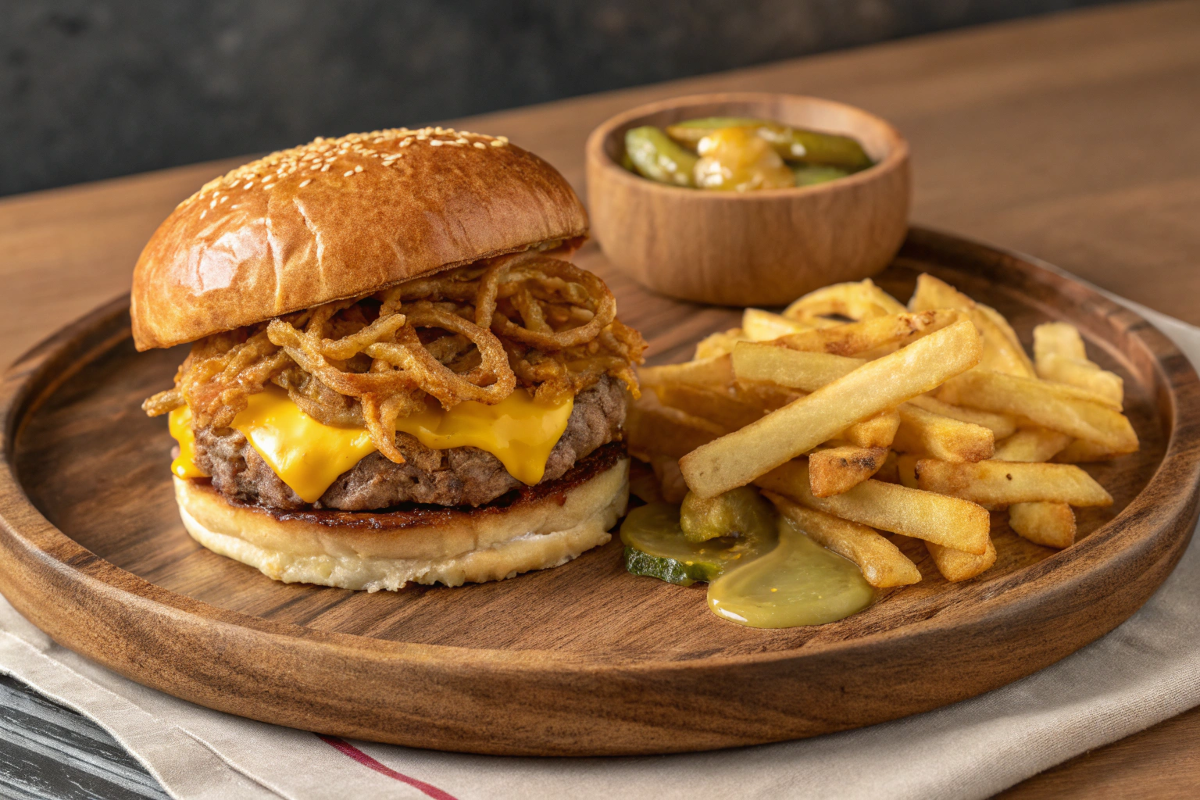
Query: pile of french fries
x=860, y=417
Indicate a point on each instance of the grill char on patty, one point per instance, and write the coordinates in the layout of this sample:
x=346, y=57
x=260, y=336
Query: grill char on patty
x=462, y=476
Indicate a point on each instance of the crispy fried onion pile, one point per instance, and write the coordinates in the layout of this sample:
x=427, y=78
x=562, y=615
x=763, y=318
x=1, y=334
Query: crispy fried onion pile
x=472, y=333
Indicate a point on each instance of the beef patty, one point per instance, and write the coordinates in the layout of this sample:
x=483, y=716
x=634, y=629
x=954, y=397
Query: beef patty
x=461, y=476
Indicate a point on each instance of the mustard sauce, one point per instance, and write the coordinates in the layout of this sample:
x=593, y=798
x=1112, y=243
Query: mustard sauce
x=797, y=583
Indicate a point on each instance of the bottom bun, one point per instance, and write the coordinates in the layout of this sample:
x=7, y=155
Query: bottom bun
x=545, y=526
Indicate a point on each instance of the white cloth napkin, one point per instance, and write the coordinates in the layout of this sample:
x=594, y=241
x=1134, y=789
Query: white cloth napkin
x=1145, y=671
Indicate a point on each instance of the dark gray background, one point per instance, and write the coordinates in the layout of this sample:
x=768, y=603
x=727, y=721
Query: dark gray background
x=96, y=88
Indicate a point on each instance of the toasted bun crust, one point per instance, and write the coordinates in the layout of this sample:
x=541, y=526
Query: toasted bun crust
x=341, y=218
x=454, y=547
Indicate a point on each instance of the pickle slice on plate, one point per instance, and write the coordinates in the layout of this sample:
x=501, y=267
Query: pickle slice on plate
x=655, y=546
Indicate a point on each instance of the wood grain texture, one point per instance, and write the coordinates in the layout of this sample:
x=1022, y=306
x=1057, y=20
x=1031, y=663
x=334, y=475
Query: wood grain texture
x=582, y=659
x=749, y=248
x=1007, y=125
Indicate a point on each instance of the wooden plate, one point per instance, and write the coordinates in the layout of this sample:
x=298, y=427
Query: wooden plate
x=583, y=659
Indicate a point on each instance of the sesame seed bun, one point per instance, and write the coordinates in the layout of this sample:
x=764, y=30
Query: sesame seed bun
x=545, y=527
x=341, y=218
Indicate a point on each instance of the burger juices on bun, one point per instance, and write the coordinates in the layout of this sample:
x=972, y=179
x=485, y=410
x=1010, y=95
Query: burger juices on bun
x=395, y=374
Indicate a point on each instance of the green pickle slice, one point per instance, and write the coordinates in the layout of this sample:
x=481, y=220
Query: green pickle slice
x=812, y=174
x=654, y=155
x=793, y=144
x=656, y=546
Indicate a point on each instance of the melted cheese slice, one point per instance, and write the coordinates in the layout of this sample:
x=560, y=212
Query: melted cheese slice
x=309, y=456
x=179, y=422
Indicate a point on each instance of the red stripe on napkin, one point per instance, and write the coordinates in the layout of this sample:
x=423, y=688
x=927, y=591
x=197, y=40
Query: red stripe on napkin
x=347, y=749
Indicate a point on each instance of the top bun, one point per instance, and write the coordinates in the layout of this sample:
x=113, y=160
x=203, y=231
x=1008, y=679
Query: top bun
x=341, y=218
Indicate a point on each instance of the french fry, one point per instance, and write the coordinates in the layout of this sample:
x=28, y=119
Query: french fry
x=728, y=412
x=997, y=482
x=876, y=431
x=924, y=432
x=838, y=469
x=763, y=326
x=795, y=369
x=1031, y=444
x=654, y=429
x=955, y=565
x=738, y=458
x=890, y=471
x=1081, y=451
x=948, y=521
x=711, y=373
x=881, y=562
x=870, y=334
x=906, y=471
x=1084, y=375
x=1002, y=351
x=1058, y=338
x=1047, y=524
x=856, y=301
x=1001, y=425
x=719, y=344
x=1050, y=405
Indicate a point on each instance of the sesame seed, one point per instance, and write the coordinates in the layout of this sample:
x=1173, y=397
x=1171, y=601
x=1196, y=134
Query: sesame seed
x=305, y=182
x=348, y=173
x=204, y=213
x=436, y=142
x=481, y=145
x=358, y=168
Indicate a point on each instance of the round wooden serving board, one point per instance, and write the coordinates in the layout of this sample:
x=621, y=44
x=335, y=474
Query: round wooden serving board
x=583, y=659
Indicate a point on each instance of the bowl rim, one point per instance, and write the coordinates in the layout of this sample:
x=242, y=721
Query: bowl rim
x=897, y=156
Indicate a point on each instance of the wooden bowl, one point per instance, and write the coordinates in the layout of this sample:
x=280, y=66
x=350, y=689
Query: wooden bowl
x=750, y=248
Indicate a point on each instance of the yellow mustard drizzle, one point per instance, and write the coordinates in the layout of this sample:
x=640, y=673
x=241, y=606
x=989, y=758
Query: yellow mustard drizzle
x=797, y=583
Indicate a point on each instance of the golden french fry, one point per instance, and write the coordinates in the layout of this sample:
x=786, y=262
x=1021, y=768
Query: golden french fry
x=738, y=458
x=881, y=562
x=763, y=326
x=871, y=334
x=1048, y=524
x=1002, y=351
x=1011, y=482
x=1084, y=375
x=838, y=469
x=1081, y=451
x=795, y=369
x=718, y=344
x=654, y=429
x=948, y=521
x=711, y=373
x=1031, y=444
x=1050, y=405
x=955, y=565
x=906, y=471
x=727, y=411
x=876, y=431
x=856, y=301
x=926, y=433
x=890, y=471
x=1001, y=425
x=1058, y=338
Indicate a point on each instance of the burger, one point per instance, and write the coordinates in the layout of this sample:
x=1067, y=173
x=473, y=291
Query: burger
x=395, y=373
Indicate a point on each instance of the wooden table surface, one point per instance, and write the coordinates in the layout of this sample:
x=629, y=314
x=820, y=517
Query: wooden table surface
x=1075, y=138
